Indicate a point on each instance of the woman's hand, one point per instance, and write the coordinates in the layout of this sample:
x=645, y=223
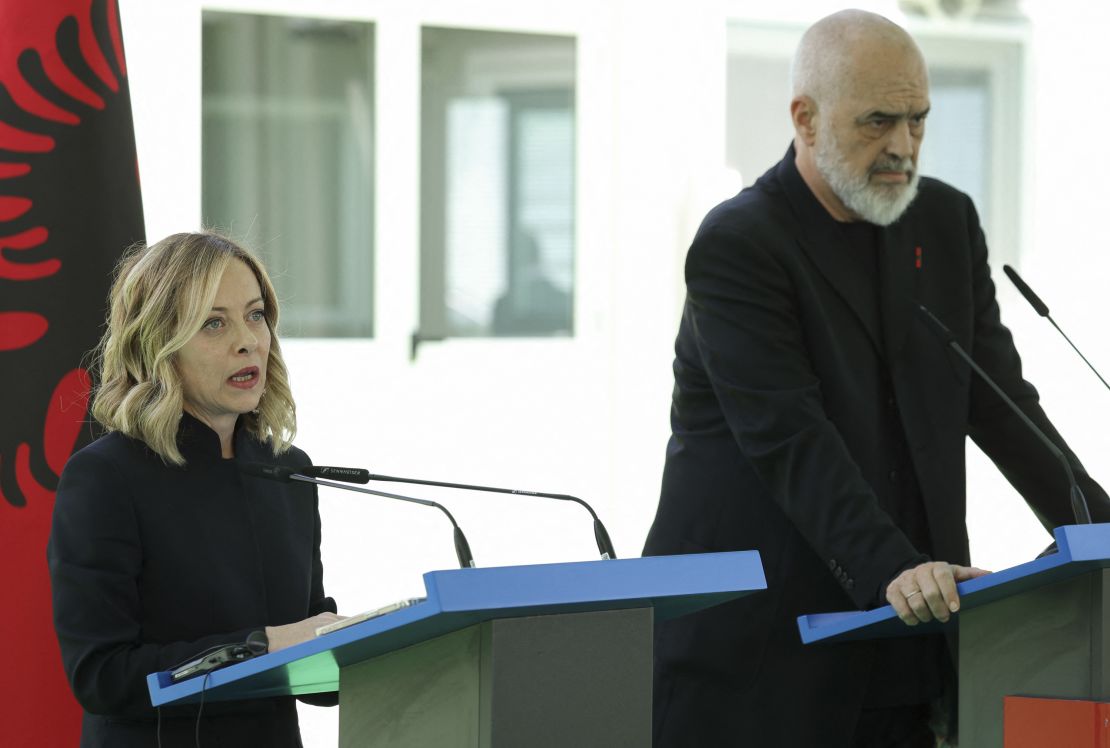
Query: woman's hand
x=294, y=633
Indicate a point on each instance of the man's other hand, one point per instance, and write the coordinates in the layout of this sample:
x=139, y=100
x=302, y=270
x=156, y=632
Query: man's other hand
x=929, y=591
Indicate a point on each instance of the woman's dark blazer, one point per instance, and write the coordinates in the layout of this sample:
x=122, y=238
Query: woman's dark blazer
x=151, y=564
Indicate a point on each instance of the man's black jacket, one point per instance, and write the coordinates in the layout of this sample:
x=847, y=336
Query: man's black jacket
x=782, y=378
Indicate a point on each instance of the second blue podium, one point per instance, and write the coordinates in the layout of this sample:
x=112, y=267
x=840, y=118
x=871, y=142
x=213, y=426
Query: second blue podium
x=1039, y=629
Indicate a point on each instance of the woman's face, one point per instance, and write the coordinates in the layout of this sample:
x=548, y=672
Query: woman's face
x=223, y=366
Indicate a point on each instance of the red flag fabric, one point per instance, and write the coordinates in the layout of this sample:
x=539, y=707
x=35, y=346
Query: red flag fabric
x=69, y=205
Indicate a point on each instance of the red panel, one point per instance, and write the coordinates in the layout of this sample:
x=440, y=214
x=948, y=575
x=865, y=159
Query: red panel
x=1040, y=723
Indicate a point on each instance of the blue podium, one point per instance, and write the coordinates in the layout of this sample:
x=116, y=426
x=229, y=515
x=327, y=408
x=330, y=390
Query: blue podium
x=543, y=655
x=1037, y=629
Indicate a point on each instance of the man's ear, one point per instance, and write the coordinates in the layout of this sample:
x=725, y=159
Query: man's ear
x=803, y=113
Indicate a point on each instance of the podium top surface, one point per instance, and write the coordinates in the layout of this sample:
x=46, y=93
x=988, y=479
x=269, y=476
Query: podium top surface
x=1080, y=548
x=458, y=598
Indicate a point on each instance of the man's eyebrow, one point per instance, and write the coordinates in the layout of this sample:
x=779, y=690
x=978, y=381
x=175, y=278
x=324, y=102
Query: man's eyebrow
x=878, y=114
x=252, y=302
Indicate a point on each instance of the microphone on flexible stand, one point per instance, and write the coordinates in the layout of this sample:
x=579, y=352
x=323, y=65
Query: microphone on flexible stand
x=286, y=474
x=601, y=536
x=1042, y=309
x=1078, y=500
x=354, y=475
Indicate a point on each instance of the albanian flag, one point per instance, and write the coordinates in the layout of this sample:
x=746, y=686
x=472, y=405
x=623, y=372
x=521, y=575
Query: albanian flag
x=69, y=206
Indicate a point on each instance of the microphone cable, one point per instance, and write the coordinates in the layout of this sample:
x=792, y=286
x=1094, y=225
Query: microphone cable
x=200, y=709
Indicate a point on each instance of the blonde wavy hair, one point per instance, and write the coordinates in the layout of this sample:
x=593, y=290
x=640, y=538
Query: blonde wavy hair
x=161, y=297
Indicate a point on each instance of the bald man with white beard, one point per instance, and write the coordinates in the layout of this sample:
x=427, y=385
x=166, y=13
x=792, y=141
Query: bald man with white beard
x=815, y=420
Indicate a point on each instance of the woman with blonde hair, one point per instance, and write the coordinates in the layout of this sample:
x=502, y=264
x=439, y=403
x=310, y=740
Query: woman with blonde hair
x=160, y=547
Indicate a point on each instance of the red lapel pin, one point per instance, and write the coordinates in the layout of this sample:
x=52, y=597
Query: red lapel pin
x=917, y=257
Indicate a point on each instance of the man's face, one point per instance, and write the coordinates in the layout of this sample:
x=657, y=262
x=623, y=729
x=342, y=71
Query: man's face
x=868, y=139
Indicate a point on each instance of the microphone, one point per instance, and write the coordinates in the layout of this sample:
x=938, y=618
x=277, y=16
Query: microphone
x=286, y=474
x=1042, y=309
x=1078, y=500
x=601, y=536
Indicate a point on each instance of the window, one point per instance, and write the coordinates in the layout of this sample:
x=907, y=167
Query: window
x=287, y=160
x=497, y=185
x=957, y=140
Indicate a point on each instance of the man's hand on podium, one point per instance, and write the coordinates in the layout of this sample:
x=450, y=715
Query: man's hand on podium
x=928, y=591
x=294, y=633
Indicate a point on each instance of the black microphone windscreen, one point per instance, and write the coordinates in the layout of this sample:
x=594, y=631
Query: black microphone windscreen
x=1026, y=291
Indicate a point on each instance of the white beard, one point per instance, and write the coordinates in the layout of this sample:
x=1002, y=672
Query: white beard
x=880, y=204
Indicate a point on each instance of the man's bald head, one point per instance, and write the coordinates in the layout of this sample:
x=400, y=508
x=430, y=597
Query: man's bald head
x=841, y=52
